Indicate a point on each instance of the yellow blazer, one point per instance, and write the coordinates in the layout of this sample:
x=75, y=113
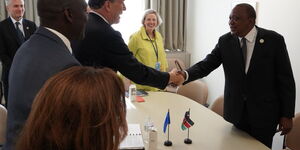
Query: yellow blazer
x=142, y=48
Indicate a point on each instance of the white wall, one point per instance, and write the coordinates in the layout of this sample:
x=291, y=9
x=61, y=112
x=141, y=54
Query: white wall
x=208, y=20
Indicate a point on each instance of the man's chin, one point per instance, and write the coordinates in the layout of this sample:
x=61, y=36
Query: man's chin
x=233, y=32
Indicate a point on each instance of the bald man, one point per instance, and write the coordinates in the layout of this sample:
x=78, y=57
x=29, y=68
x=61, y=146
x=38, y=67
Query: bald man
x=46, y=53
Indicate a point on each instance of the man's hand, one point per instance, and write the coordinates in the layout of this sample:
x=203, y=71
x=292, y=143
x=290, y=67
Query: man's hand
x=175, y=78
x=285, y=125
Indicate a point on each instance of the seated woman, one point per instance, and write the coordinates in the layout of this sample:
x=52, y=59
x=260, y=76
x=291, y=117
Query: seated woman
x=147, y=45
x=81, y=108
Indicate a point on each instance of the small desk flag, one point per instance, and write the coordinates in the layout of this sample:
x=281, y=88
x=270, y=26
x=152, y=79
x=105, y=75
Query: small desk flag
x=187, y=122
x=167, y=121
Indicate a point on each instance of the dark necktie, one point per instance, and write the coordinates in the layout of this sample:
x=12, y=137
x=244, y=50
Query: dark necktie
x=19, y=32
x=244, y=49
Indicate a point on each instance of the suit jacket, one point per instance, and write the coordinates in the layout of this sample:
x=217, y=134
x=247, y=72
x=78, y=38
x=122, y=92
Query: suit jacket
x=42, y=56
x=9, y=42
x=267, y=91
x=103, y=46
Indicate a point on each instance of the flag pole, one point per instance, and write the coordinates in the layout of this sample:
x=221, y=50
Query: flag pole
x=188, y=140
x=168, y=142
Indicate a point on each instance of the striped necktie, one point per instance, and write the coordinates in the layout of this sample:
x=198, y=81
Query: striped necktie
x=19, y=33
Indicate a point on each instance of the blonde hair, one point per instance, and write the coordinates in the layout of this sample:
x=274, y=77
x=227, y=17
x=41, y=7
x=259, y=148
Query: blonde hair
x=152, y=11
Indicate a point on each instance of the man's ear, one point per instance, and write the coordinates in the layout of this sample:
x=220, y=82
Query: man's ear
x=107, y=5
x=68, y=15
x=252, y=20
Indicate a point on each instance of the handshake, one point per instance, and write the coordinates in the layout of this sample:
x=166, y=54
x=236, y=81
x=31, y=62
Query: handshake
x=176, y=77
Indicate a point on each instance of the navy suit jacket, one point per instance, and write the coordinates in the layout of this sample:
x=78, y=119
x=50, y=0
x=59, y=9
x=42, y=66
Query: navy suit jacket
x=104, y=47
x=39, y=58
x=268, y=88
x=9, y=42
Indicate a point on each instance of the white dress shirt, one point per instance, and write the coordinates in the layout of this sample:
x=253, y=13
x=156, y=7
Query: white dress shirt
x=21, y=24
x=62, y=37
x=250, y=41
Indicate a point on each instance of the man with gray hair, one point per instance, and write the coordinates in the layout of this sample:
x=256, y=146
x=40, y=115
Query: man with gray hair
x=14, y=31
x=46, y=53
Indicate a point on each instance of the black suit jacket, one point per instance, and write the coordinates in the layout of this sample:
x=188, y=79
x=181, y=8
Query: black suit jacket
x=103, y=46
x=9, y=42
x=268, y=88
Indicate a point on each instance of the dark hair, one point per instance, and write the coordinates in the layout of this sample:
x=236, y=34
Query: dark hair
x=250, y=10
x=81, y=108
x=96, y=4
x=49, y=9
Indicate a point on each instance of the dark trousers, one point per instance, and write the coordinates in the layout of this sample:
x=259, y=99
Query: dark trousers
x=263, y=134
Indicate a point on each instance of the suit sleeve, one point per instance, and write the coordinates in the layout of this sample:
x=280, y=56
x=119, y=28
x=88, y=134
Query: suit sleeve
x=119, y=56
x=285, y=80
x=5, y=59
x=207, y=65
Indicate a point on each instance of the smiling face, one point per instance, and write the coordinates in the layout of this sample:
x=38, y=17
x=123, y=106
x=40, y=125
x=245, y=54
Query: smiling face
x=150, y=22
x=16, y=9
x=240, y=21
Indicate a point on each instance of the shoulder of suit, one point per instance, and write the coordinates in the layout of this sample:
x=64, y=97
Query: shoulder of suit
x=267, y=32
x=227, y=36
x=5, y=21
x=29, y=22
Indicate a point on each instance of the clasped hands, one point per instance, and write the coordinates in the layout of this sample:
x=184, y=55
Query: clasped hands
x=176, y=77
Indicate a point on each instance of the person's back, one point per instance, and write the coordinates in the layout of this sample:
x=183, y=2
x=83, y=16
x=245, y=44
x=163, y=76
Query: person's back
x=28, y=74
x=81, y=108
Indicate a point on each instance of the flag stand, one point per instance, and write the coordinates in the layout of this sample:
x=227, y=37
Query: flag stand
x=168, y=142
x=188, y=140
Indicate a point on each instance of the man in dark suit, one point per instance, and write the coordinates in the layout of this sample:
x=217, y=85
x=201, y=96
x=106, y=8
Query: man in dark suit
x=13, y=32
x=103, y=46
x=260, y=89
x=46, y=53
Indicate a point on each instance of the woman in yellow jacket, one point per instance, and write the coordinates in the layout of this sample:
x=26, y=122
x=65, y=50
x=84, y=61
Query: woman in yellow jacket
x=147, y=45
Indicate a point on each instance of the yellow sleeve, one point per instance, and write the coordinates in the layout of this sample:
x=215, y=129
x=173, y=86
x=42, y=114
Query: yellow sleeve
x=132, y=44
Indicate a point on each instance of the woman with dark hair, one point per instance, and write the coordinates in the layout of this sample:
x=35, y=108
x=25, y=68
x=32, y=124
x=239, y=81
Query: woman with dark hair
x=81, y=108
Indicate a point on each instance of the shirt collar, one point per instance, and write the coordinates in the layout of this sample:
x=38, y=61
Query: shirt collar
x=14, y=21
x=99, y=16
x=62, y=37
x=250, y=37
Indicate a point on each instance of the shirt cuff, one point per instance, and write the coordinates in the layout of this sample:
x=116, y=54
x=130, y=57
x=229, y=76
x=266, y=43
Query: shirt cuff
x=186, y=75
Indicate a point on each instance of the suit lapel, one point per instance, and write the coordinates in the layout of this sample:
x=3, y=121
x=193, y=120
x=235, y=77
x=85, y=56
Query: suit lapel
x=258, y=47
x=26, y=29
x=12, y=29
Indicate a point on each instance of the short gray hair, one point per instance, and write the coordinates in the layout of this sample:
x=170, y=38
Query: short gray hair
x=7, y=2
x=152, y=11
